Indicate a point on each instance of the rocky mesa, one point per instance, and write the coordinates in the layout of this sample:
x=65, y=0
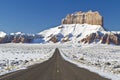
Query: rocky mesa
x=93, y=18
x=79, y=27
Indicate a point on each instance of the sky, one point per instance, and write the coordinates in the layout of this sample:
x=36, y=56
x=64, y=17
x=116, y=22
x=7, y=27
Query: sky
x=33, y=16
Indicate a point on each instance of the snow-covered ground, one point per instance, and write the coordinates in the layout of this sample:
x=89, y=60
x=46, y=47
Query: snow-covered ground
x=76, y=32
x=99, y=58
x=18, y=56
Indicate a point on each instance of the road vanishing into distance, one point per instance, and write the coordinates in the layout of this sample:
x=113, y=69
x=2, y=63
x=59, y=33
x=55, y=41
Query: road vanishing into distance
x=56, y=68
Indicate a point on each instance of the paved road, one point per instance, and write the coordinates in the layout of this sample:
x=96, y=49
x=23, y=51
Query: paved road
x=54, y=69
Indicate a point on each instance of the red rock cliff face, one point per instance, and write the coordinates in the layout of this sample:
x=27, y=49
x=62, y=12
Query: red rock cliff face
x=93, y=18
x=104, y=38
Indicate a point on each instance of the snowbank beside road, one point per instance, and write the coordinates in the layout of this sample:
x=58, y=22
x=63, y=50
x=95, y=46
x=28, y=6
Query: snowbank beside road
x=98, y=58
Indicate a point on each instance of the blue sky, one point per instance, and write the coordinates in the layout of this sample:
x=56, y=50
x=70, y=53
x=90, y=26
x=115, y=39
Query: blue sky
x=33, y=16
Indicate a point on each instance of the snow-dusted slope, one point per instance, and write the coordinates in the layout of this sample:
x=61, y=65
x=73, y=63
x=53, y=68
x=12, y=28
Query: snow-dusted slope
x=2, y=34
x=74, y=31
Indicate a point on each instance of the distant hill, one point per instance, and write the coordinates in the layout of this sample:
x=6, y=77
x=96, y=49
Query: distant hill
x=79, y=27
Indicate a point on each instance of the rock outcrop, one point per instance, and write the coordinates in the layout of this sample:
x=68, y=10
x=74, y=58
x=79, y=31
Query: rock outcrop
x=65, y=39
x=93, y=18
x=19, y=38
x=111, y=38
x=54, y=39
x=1, y=40
x=106, y=38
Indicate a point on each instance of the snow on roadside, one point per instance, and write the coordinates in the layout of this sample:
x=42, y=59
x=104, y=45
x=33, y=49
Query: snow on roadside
x=98, y=58
x=18, y=56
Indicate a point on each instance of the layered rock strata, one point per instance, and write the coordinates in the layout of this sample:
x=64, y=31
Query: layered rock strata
x=106, y=38
x=93, y=18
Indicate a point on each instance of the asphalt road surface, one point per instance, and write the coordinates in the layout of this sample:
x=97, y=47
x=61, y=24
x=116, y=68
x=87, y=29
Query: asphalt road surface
x=56, y=68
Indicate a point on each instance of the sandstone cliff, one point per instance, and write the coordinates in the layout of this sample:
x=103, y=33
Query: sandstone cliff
x=89, y=17
x=19, y=38
x=105, y=38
